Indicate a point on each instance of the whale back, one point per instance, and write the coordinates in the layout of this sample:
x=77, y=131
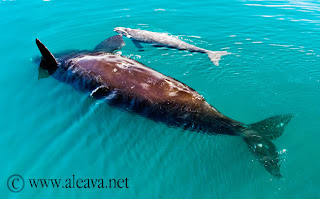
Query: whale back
x=133, y=78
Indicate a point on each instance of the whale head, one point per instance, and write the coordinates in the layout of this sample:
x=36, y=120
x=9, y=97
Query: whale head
x=122, y=31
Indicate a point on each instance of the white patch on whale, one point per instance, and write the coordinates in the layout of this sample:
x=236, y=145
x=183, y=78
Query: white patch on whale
x=144, y=85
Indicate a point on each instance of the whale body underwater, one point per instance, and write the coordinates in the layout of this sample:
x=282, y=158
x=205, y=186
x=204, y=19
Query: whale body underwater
x=127, y=84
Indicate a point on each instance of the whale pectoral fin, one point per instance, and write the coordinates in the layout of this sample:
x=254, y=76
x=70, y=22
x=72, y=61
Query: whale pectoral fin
x=111, y=44
x=258, y=136
x=137, y=44
x=100, y=92
x=159, y=46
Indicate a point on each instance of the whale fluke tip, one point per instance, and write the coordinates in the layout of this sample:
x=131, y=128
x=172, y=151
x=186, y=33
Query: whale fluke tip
x=258, y=136
x=215, y=56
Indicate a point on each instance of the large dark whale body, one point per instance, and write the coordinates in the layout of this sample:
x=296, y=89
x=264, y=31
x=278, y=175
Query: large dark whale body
x=128, y=84
x=165, y=40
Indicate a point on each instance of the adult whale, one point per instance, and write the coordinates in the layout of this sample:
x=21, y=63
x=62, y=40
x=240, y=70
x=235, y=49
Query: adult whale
x=163, y=39
x=130, y=85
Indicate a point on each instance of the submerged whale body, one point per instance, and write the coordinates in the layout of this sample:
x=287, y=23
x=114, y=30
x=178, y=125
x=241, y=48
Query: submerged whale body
x=162, y=39
x=130, y=85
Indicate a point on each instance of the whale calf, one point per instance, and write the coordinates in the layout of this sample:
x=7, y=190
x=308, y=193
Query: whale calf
x=129, y=85
x=163, y=39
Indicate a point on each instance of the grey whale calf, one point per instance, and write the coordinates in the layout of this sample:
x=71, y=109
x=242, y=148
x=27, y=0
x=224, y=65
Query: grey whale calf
x=129, y=85
x=163, y=39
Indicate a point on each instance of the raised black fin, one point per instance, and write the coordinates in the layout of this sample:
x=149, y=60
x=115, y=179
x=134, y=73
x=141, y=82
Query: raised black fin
x=111, y=44
x=137, y=44
x=258, y=136
x=48, y=61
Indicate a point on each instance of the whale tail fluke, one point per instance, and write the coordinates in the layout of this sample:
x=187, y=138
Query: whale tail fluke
x=258, y=136
x=215, y=56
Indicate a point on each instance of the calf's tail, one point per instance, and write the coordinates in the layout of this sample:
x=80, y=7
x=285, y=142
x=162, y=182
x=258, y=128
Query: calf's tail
x=215, y=56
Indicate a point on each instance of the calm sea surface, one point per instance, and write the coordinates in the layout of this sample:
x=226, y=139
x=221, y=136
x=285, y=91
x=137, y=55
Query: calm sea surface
x=50, y=130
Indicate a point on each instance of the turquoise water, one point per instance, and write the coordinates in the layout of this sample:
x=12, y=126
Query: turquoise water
x=50, y=130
